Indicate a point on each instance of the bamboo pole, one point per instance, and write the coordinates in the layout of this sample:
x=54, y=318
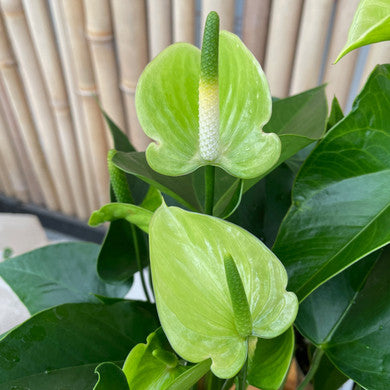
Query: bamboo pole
x=132, y=48
x=15, y=94
x=159, y=26
x=43, y=37
x=225, y=9
x=84, y=150
x=183, y=21
x=379, y=53
x=74, y=19
x=255, y=26
x=339, y=76
x=12, y=164
x=101, y=41
x=5, y=184
x=309, y=55
x=281, y=42
x=38, y=100
x=34, y=190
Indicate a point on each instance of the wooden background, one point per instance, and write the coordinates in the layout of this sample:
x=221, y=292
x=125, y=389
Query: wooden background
x=56, y=56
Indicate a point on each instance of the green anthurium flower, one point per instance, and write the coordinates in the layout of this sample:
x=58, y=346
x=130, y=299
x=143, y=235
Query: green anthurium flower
x=207, y=108
x=216, y=286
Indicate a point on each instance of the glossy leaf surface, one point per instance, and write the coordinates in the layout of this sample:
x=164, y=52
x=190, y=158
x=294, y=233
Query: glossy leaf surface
x=341, y=198
x=56, y=274
x=167, y=107
x=371, y=24
x=145, y=371
x=71, y=339
x=298, y=120
x=269, y=365
x=349, y=318
x=195, y=308
x=111, y=377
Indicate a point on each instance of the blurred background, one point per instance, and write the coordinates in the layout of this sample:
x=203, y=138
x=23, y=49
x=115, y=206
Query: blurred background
x=57, y=56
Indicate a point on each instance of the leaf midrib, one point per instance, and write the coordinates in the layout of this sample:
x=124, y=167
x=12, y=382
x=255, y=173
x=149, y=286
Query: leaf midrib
x=313, y=275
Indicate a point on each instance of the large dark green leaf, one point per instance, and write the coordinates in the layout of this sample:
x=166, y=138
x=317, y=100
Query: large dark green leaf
x=327, y=376
x=299, y=120
x=341, y=198
x=349, y=318
x=61, y=346
x=265, y=204
x=111, y=377
x=179, y=188
x=57, y=274
x=269, y=365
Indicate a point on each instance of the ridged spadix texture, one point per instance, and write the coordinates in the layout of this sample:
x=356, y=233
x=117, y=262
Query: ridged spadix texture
x=167, y=101
x=208, y=91
x=194, y=303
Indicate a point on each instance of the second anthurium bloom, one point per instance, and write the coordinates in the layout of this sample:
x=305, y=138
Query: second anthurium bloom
x=217, y=288
x=207, y=108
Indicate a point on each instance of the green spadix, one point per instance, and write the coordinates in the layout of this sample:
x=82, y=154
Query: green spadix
x=216, y=285
x=207, y=108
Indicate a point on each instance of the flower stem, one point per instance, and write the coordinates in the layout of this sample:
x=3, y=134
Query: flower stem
x=139, y=263
x=241, y=382
x=314, y=366
x=209, y=189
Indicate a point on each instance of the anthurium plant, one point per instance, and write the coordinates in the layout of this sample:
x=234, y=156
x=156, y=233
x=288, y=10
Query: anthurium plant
x=262, y=223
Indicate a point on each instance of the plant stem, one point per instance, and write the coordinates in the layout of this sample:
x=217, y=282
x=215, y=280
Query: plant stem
x=314, y=366
x=139, y=264
x=241, y=383
x=209, y=189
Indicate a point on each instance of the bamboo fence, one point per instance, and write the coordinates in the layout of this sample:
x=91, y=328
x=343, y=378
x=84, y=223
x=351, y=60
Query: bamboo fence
x=60, y=59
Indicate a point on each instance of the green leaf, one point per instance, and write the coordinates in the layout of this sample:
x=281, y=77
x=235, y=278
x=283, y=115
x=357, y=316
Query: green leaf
x=269, y=365
x=299, y=120
x=167, y=106
x=229, y=201
x=327, y=376
x=341, y=198
x=46, y=277
x=371, y=24
x=264, y=206
x=191, y=376
x=124, y=245
x=57, y=344
x=349, y=318
x=179, y=188
x=195, y=309
x=112, y=211
x=144, y=370
x=111, y=377
x=152, y=200
x=117, y=258
x=336, y=114
x=121, y=141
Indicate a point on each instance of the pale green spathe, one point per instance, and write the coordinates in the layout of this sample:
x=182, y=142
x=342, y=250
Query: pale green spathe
x=187, y=253
x=371, y=24
x=167, y=108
